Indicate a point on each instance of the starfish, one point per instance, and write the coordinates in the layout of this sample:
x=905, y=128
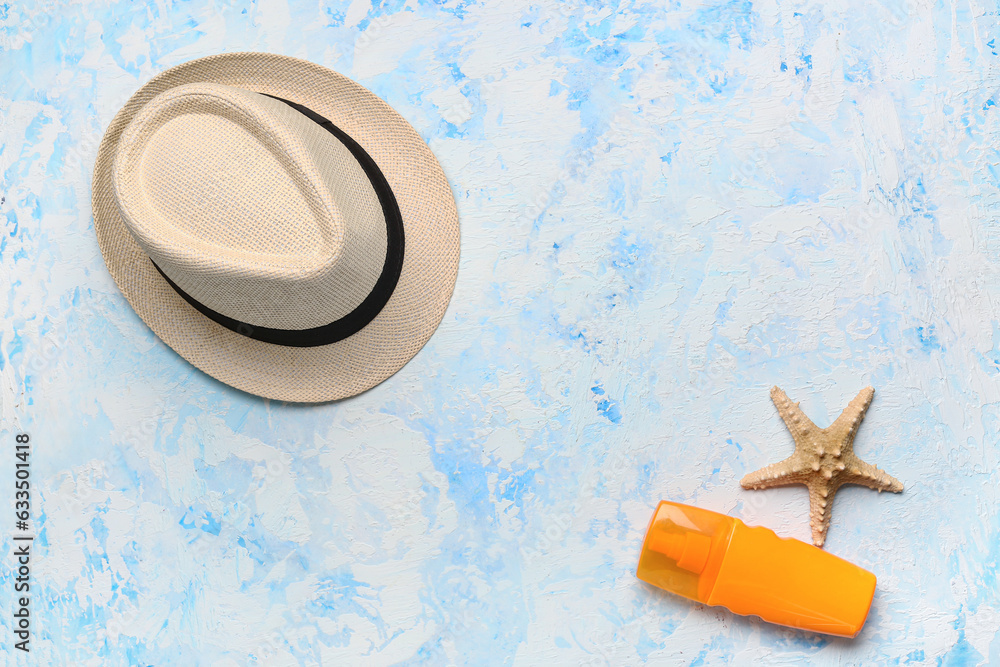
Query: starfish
x=823, y=460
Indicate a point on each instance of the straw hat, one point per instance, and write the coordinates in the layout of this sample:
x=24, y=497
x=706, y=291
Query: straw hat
x=278, y=225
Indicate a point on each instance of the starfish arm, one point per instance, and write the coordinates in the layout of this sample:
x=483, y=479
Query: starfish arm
x=820, y=503
x=847, y=423
x=776, y=474
x=865, y=474
x=798, y=424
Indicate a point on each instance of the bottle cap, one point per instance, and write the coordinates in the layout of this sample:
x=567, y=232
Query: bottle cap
x=719, y=560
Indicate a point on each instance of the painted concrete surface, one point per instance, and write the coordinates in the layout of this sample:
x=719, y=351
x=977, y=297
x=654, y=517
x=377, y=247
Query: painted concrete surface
x=666, y=209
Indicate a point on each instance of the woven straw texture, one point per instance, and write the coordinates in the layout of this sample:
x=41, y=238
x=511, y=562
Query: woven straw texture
x=250, y=207
x=430, y=221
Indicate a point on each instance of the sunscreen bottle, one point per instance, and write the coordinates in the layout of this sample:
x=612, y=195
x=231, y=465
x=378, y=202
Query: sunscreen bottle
x=719, y=560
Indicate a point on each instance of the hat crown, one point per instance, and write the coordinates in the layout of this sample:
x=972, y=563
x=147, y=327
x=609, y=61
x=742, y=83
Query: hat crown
x=249, y=206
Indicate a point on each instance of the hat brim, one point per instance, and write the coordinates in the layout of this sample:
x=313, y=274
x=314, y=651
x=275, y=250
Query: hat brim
x=430, y=222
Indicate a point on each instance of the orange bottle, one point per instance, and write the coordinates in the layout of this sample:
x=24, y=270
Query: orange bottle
x=719, y=560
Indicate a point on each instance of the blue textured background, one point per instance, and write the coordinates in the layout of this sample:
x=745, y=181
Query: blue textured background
x=664, y=212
